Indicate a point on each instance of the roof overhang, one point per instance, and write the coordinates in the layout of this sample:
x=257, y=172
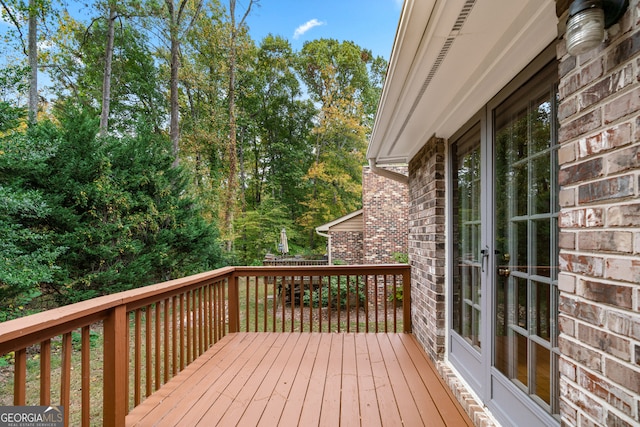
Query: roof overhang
x=449, y=58
x=324, y=228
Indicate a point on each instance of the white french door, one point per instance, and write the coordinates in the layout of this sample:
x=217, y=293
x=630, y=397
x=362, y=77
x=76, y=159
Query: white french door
x=504, y=210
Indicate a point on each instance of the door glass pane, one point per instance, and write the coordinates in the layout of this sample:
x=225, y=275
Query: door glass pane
x=541, y=124
x=540, y=185
x=518, y=245
x=521, y=353
x=525, y=226
x=521, y=303
x=542, y=315
x=502, y=322
x=542, y=369
x=541, y=247
x=466, y=228
x=518, y=188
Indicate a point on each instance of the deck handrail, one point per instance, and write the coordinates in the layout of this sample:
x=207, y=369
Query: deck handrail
x=182, y=319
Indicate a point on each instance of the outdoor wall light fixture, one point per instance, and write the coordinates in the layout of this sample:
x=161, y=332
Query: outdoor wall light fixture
x=588, y=20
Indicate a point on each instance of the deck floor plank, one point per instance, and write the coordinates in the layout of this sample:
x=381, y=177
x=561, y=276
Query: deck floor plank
x=195, y=400
x=386, y=402
x=159, y=405
x=288, y=400
x=237, y=403
x=448, y=407
x=330, y=411
x=214, y=403
x=419, y=391
x=349, y=405
x=312, y=405
x=276, y=385
x=289, y=379
x=409, y=413
x=367, y=396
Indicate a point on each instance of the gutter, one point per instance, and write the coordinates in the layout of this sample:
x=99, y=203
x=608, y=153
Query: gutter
x=387, y=173
x=328, y=244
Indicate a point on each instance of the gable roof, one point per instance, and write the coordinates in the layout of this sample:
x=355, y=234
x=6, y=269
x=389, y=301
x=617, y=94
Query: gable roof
x=449, y=58
x=324, y=228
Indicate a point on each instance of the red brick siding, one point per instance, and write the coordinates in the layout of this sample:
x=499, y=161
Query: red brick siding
x=427, y=246
x=600, y=229
x=346, y=247
x=385, y=204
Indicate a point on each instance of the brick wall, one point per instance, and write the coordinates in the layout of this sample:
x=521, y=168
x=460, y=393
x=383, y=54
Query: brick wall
x=385, y=204
x=600, y=229
x=427, y=246
x=346, y=247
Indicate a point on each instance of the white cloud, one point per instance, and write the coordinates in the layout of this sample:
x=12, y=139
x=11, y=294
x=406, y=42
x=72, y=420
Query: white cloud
x=306, y=27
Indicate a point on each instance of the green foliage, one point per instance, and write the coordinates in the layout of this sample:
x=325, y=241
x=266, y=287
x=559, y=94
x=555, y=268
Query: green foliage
x=12, y=86
x=341, y=83
x=136, y=84
x=401, y=257
x=76, y=339
x=260, y=231
x=28, y=251
x=6, y=360
x=83, y=216
x=121, y=210
x=336, y=292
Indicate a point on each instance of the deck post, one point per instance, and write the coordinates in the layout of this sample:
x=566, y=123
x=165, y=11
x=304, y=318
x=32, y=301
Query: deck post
x=234, y=304
x=406, y=301
x=115, y=367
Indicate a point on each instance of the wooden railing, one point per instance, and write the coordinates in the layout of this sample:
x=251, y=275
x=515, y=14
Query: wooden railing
x=294, y=262
x=150, y=334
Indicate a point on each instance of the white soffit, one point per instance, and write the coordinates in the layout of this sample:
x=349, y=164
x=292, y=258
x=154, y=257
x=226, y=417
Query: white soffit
x=450, y=57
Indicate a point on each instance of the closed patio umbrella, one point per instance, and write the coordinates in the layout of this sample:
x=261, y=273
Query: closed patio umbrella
x=284, y=244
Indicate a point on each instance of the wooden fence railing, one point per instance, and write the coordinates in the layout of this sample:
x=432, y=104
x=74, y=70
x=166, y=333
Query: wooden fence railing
x=294, y=262
x=150, y=334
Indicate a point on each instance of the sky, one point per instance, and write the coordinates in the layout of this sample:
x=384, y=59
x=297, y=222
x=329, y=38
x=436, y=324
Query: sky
x=371, y=24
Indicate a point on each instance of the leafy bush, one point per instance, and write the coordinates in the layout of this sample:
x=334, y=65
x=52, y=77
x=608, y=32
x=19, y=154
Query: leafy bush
x=336, y=292
x=401, y=257
x=83, y=216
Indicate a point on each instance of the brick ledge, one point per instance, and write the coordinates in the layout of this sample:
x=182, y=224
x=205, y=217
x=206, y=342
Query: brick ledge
x=478, y=413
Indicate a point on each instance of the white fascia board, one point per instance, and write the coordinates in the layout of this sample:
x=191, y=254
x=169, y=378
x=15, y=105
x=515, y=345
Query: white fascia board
x=497, y=40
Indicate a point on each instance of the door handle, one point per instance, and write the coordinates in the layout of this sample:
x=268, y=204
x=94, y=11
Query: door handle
x=505, y=272
x=485, y=255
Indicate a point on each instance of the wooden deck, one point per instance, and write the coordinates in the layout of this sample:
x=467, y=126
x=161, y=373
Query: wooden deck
x=289, y=379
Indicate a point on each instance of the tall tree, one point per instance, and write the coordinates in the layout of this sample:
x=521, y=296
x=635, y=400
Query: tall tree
x=179, y=22
x=33, y=61
x=14, y=10
x=340, y=79
x=204, y=114
x=232, y=180
x=278, y=153
x=79, y=68
x=108, y=61
x=274, y=123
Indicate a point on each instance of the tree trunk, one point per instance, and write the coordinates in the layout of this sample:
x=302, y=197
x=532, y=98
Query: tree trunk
x=33, y=62
x=174, y=131
x=106, y=81
x=231, y=146
x=174, y=111
x=232, y=182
